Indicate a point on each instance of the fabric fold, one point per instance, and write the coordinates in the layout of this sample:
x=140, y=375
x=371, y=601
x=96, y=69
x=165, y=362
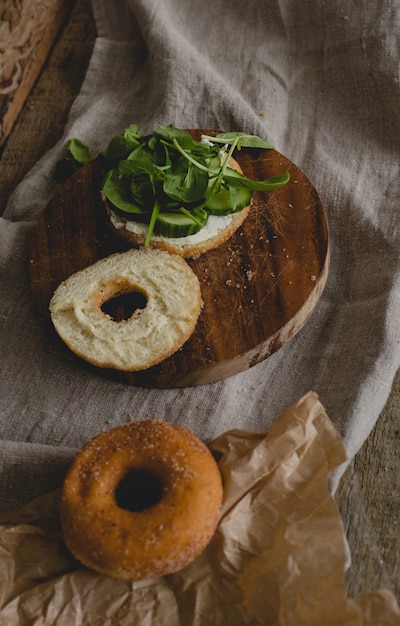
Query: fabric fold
x=320, y=83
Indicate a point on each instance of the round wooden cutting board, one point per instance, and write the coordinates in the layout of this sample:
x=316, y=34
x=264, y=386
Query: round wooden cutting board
x=259, y=288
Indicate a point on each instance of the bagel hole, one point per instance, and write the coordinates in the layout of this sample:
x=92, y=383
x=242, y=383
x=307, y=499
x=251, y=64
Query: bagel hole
x=138, y=490
x=124, y=305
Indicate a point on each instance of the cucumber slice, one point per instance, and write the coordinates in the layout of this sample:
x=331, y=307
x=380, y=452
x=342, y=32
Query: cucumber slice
x=214, y=163
x=227, y=201
x=174, y=224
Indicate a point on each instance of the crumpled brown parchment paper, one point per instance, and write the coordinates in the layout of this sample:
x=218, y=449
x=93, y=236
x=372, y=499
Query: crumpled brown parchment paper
x=277, y=558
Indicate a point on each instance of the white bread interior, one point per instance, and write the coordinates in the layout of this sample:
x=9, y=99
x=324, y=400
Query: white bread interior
x=150, y=335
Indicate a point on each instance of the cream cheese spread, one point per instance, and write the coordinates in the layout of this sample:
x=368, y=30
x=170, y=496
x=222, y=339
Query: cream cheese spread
x=215, y=224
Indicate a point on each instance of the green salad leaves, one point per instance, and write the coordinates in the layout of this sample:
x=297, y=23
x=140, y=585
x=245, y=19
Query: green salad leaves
x=171, y=182
x=76, y=154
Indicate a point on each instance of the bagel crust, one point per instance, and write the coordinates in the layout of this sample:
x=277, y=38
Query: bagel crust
x=173, y=303
x=189, y=247
x=160, y=539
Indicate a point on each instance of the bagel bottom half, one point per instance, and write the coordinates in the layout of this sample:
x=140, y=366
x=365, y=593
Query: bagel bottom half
x=141, y=500
x=217, y=230
x=171, y=303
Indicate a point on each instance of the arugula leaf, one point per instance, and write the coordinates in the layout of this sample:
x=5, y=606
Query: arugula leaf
x=142, y=164
x=142, y=190
x=78, y=150
x=258, y=185
x=118, y=193
x=153, y=218
x=188, y=157
x=118, y=148
x=132, y=133
x=183, y=137
x=187, y=187
x=244, y=140
x=214, y=188
x=170, y=173
x=198, y=215
x=76, y=154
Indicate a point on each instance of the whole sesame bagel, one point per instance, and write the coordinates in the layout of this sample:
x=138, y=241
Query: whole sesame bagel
x=141, y=500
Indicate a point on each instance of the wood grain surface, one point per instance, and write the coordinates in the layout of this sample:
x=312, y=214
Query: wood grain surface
x=27, y=32
x=369, y=495
x=258, y=288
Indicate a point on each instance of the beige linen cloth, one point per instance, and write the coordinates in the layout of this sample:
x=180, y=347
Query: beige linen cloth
x=320, y=81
